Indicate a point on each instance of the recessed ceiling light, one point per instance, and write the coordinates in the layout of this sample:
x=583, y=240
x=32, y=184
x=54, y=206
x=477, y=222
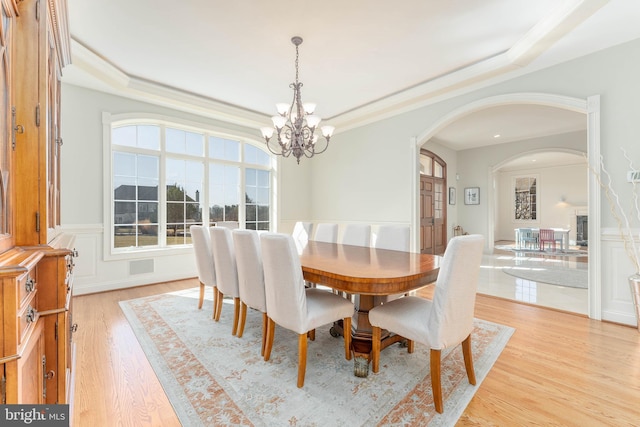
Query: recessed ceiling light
x=497, y=135
x=533, y=160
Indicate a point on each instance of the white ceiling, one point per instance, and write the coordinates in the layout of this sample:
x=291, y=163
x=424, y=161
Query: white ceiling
x=361, y=60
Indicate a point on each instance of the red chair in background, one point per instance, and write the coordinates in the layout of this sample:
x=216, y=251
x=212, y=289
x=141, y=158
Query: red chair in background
x=549, y=236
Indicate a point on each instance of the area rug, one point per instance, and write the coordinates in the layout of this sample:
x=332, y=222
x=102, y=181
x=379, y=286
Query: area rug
x=538, y=252
x=535, y=272
x=215, y=379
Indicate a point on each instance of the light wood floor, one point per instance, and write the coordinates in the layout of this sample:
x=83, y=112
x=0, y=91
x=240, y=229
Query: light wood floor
x=557, y=369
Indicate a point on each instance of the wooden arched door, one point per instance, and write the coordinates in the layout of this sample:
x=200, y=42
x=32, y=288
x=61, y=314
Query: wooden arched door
x=433, y=203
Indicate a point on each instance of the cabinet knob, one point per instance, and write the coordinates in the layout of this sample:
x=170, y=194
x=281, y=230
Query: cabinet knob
x=50, y=375
x=30, y=284
x=31, y=314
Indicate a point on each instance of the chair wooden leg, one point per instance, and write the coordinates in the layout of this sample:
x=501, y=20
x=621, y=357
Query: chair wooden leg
x=215, y=302
x=219, y=305
x=271, y=329
x=436, y=385
x=302, y=358
x=265, y=323
x=243, y=319
x=346, y=333
x=410, y=346
x=236, y=315
x=468, y=360
x=201, y=299
x=375, y=348
x=312, y=335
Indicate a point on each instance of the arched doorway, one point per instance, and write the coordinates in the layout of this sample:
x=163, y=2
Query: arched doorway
x=590, y=107
x=433, y=203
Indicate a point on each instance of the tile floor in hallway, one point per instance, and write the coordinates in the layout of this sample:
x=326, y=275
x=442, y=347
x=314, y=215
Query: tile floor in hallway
x=493, y=281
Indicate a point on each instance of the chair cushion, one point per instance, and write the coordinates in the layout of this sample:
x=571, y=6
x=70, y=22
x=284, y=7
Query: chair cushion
x=405, y=316
x=325, y=307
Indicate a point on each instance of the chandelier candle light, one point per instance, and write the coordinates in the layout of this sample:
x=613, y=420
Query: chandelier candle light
x=295, y=124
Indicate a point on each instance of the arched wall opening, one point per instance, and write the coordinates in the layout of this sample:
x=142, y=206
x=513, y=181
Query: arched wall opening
x=591, y=108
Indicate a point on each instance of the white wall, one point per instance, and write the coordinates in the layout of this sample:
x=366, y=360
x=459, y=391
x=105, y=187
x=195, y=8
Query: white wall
x=553, y=184
x=367, y=174
x=377, y=183
x=82, y=195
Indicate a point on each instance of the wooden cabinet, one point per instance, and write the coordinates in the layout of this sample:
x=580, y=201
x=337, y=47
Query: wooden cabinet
x=36, y=258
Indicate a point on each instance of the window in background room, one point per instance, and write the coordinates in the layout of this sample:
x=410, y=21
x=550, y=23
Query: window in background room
x=525, y=198
x=166, y=178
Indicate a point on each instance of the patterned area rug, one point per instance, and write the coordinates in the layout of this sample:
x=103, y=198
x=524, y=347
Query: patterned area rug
x=214, y=378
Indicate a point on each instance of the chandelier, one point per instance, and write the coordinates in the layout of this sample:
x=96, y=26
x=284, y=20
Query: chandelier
x=295, y=124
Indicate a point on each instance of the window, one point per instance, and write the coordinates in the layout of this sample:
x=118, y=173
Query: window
x=525, y=198
x=165, y=178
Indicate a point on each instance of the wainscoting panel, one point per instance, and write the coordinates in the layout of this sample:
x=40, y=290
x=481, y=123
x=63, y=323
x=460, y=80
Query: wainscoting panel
x=95, y=274
x=617, y=305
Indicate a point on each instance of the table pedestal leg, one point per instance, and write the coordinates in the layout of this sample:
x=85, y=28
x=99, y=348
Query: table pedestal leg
x=361, y=335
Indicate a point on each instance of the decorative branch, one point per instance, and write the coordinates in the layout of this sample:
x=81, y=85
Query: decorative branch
x=619, y=213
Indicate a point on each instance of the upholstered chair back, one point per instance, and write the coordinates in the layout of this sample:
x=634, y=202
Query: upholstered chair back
x=284, y=284
x=250, y=273
x=302, y=232
x=204, y=256
x=392, y=237
x=326, y=233
x=356, y=235
x=451, y=317
x=225, y=261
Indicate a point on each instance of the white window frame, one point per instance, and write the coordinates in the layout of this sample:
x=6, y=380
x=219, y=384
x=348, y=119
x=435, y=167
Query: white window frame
x=115, y=120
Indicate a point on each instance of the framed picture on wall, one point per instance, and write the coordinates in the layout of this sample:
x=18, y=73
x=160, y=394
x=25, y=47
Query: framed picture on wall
x=472, y=196
x=452, y=195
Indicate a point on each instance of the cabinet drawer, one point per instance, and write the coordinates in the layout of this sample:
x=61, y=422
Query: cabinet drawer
x=26, y=286
x=27, y=317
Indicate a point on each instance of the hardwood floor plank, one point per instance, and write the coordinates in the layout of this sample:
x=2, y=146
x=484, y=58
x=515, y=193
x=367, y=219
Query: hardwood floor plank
x=557, y=369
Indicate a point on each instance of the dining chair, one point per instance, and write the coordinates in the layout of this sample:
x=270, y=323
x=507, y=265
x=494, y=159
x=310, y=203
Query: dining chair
x=547, y=235
x=392, y=237
x=204, y=263
x=226, y=271
x=228, y=224
x=528, y=238
x=302, y=232
x=250, y=279
x=443, y=322
x=326, y=232
x=294, y=307
x=356, y=235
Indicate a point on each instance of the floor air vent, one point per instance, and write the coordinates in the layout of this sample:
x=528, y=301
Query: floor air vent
x=141, y=266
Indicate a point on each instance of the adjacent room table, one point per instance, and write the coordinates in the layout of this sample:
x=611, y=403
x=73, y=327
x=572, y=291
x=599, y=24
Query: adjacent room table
x=365, y=273
x=561, y=234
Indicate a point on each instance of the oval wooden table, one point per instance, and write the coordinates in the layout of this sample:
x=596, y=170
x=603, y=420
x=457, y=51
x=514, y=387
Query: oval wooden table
x=366, y=273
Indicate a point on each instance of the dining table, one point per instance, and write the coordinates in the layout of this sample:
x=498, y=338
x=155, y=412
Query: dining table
x=366, y=273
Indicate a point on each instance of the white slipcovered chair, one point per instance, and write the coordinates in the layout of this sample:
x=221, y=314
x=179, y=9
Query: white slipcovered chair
x=204, y=263
x=291, y=305
x=226, y=271
x=356, y=235
x=326, y=232
x=393, y=238
x=444, y=322
x=250, y=279
x=302, y=232
x=228, y=224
